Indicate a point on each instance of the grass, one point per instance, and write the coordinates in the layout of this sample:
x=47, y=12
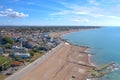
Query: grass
x=3, y=60
x=36, y=56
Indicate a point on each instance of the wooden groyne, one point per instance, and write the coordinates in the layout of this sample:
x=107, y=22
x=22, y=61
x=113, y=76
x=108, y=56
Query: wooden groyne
x=82, y=64
x=102, y=70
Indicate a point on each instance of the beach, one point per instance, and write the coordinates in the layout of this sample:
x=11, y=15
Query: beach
x=64, y=64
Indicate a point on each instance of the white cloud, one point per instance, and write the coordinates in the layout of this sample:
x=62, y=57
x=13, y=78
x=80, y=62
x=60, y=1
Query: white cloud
x=76, y=20
x=12, y=14
x=75, y=13
x=80, y=20
x=85, y=20
x=8, y=10
x=82, y=13
x=80, y=10
x=95, y=15
x=93, y=2
x=113, y=17
x=61, y=12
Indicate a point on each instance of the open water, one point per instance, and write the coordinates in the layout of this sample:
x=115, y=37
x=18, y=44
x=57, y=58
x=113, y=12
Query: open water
x=104, y=43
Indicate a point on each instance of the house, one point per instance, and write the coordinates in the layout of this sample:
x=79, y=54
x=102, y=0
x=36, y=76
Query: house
x=22, y=61
x=21, y=55
x=8, y=51
x=18, y=49
x=1, y=51
x=49, y=45
x=16, y=63
x=29, y=44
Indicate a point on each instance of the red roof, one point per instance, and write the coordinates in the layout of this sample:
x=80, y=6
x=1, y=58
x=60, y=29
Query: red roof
x=22, y=61
x=16, y=63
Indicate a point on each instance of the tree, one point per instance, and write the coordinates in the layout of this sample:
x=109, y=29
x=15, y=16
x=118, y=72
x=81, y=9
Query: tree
x=8, y=40
x=8, y=46
x=5, y=62
x=3, y=48
x=17, y=58
x=34, y=50
x=31, y=53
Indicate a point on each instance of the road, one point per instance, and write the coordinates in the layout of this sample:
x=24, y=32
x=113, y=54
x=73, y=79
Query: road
x=22, y=72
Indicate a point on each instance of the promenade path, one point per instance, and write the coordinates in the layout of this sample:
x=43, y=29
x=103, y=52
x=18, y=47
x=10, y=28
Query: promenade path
x=28, y=68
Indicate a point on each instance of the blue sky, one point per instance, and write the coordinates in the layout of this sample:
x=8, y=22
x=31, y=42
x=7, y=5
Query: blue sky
x=60, y=12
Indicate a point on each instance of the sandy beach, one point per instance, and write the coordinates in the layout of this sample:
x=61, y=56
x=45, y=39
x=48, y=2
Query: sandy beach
x=64, y=64
x=58, y=34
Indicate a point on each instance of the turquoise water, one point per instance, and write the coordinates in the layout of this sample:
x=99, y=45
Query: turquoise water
x=104, y=43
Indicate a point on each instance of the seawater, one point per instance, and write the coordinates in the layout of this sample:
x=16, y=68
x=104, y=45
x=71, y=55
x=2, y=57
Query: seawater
x=104, y=43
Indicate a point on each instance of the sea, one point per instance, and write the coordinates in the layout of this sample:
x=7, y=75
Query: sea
x=104, y=46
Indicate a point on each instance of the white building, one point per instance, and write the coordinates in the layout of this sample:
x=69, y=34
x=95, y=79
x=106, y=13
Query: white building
x=22, y=55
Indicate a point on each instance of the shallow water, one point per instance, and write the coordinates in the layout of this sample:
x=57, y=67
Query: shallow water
x=104, y=43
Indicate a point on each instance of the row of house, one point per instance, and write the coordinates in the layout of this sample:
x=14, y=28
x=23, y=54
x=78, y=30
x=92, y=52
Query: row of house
x=24, y=42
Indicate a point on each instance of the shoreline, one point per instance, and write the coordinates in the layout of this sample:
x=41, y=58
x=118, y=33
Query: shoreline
x=86, y=51
x=87, y=48
x=89, y=58
x=66, y=66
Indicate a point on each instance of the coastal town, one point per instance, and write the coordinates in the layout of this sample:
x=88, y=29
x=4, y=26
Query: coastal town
x=59, y=40
x=21, y=46
x=23, y=50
